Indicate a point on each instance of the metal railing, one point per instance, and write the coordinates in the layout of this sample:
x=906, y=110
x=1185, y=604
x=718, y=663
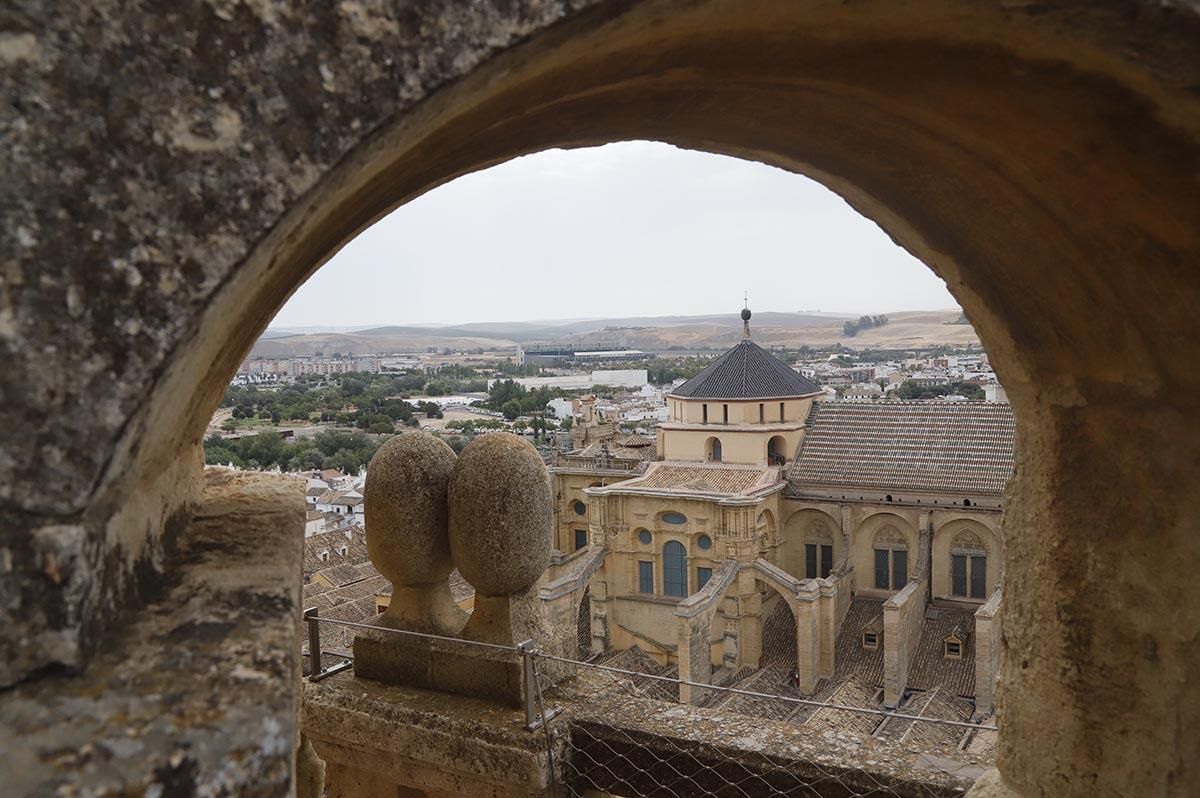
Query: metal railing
x=616, y=757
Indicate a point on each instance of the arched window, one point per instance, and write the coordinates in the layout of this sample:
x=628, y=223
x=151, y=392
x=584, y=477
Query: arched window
x=675, y=569
x=777, y=450
x=714, y=450
x=968, y=566
x=891, y=559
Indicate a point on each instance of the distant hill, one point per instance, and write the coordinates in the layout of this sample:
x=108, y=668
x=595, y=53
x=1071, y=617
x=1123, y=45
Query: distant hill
x=708, y=332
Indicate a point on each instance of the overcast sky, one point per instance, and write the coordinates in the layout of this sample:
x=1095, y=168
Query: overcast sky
x=629, y=229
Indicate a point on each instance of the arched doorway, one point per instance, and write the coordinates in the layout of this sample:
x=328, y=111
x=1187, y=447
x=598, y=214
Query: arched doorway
x=712, y=450
x=777, y=450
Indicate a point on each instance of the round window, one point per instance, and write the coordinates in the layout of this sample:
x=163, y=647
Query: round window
x=674, y=518
x=644, y=537
x=704, y=542
x=580, y=508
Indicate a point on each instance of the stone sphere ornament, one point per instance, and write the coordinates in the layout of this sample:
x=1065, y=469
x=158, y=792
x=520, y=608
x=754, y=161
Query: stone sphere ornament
x=501, y=515
x=407, y=521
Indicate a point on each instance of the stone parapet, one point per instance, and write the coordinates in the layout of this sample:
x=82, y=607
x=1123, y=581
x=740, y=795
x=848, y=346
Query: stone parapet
x=202, y=688
x=379, y=738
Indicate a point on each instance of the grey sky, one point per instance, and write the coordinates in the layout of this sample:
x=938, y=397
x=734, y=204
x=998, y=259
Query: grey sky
x=612, y=231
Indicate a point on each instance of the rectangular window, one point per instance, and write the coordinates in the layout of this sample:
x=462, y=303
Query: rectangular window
x=810, y=561
x=978, y=577
x=725, y=414
x=761, y=413
x=881, y=569
x=781, y=411
x=899, y=568
x=826, y=560
x=705, y=408
x=580, y=539
x=645, y=576
x=958, y=574
x=702, y=577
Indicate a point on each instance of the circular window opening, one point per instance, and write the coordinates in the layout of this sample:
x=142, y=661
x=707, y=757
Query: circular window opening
x=704, y=542
x=579, y=507
x=674, y=518
x=644, y=537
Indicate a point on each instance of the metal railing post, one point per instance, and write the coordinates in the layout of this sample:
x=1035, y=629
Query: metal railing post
x=314, y=641
x=535, y=713
x=316, y=668
x=525, y=649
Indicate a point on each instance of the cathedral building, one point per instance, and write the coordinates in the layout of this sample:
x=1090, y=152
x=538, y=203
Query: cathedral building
x=836, y=542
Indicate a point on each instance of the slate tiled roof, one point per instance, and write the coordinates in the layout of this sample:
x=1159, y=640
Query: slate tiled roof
x=700, y=479
x=941, y=447
x=747, y=371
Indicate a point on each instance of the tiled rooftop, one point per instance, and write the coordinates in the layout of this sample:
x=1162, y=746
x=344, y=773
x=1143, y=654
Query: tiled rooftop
x=850, y=658
x=701, y=479
x=747, y=371
x=930, y=668
x=940, y=447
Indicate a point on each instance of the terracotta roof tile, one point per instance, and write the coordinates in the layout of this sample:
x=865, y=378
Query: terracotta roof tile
x=700, y=479
x=940, y=447
x=929, y=666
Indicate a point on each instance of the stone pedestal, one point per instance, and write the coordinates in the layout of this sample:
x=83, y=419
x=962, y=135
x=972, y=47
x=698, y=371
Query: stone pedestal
x=379, y=739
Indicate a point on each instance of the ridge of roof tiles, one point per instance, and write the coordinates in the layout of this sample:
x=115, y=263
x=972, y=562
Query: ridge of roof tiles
x=747, y=371
x=964, y=447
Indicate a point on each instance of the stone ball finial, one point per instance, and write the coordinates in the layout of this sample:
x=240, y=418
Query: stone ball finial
x=746, y=314
x=501, y=514
x=406, y=509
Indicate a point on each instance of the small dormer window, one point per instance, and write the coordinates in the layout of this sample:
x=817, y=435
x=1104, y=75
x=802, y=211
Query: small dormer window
x=952, y=648
x=870, y=640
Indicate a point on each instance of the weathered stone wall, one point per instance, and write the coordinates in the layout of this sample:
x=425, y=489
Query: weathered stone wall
x=987, y=652
x=171, y=177
x=903, y=614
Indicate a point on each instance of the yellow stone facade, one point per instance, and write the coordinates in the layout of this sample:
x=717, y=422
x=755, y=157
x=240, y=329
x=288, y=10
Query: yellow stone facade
x=669, y=526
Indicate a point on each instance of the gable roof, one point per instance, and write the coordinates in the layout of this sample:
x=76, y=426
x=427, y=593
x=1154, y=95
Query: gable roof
x=940, y=447
x=747, y=371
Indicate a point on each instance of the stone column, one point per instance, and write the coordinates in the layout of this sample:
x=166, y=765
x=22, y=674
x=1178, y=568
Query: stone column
x=808, y=635
x=987, y=652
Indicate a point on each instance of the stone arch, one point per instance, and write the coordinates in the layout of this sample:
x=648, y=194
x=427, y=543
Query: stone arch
x=767, y=532
x=967, y=536
x=712, y=450
x=890, y=531
x=908, y=116
x=804, y=527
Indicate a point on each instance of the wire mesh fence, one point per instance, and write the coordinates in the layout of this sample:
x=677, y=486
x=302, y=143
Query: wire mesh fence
x=630, y=736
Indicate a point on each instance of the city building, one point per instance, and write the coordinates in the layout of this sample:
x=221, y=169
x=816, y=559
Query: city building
x=845, y=529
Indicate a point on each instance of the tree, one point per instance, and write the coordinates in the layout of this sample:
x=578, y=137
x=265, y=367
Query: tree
x=381, y=428
x=566, y=423
x=511, y=409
